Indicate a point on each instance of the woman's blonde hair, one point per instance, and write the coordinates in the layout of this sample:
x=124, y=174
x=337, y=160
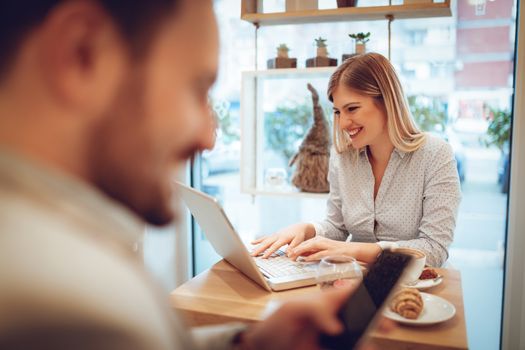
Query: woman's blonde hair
x=371, y=74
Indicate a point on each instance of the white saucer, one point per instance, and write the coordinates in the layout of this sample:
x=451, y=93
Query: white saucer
x=435, y=310
x=425, y=284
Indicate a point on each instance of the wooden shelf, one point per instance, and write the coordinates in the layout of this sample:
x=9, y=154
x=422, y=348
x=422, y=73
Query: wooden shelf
x=283, y=73
x=349, y=14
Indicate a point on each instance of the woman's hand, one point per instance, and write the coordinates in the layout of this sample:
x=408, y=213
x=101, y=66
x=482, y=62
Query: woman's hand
x=320, y=247
x=292, y=235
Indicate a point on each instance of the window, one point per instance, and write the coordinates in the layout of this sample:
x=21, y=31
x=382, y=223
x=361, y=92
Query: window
x=457, y=73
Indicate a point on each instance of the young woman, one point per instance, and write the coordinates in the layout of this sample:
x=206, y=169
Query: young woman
x=390, y=184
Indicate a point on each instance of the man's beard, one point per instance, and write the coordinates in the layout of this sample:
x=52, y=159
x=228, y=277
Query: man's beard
x=123, y=163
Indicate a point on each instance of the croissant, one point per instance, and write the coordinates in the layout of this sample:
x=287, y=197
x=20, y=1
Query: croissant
x=407, y=303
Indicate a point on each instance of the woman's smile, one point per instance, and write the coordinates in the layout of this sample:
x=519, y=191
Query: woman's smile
x=353, y=132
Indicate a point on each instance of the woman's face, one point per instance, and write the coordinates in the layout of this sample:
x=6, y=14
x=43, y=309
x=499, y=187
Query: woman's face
x=360, y=117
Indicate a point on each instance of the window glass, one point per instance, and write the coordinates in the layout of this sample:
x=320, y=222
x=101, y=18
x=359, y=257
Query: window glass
x=457, y=73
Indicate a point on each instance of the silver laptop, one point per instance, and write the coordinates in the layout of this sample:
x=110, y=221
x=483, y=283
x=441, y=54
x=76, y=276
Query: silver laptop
x=275, y=273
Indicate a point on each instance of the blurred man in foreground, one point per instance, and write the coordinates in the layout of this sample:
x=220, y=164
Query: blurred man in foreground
x=100, y=102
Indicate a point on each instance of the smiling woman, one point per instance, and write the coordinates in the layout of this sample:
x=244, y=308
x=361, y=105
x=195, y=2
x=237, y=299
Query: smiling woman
x=371, y=80
x=390, y=184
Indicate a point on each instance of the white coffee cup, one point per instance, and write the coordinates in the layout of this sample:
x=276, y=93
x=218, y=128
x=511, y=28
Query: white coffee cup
x=415, y=267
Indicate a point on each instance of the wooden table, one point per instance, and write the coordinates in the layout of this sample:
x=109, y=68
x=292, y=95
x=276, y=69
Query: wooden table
x=223, y=294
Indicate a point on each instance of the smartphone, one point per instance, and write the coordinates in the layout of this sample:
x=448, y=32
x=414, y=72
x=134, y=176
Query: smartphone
x=359, y=311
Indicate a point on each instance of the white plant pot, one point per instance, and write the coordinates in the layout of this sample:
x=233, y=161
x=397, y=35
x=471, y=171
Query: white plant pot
x=360, y=48
x=322, y=52
x=282, y=53
x=300, y=5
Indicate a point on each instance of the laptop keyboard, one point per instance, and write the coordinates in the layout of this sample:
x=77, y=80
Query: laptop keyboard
x=279, y=265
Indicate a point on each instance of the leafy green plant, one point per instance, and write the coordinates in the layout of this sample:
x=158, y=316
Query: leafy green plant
x=286, y=127
x=320, y=42
x=360, y=38
x=498, y=132
x=429, y=113
x=283, y=47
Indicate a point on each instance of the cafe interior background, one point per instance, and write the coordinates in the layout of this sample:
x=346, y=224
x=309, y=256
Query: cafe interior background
x=458, y=73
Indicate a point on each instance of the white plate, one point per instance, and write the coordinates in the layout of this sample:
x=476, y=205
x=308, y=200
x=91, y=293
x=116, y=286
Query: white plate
x=435, y=310
x=425, y=284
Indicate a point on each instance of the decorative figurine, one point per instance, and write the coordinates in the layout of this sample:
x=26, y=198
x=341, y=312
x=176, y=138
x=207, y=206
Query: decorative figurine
x=314, y=153
x=282, y=60
x=322, y=59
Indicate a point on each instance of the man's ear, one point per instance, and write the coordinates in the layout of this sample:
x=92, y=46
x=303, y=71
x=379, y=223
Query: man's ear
x=83, y=56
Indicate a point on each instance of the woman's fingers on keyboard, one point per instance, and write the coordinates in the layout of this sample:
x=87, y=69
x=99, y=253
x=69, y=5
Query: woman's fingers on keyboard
x=294, y=243
x=263, y=245
x=259, y=240
x=276, y=245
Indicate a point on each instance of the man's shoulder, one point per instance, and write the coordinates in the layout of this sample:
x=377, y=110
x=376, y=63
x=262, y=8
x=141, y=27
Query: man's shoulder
x=49, y=266
x=51, y=254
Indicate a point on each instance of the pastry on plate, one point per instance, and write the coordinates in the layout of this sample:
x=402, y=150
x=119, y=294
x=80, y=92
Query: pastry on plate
x=407, y=303
x=428, y=274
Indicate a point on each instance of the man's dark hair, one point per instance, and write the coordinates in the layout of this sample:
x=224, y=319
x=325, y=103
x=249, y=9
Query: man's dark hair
x=136, y=20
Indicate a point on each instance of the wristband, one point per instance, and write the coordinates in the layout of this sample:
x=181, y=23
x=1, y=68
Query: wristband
x=387, y=245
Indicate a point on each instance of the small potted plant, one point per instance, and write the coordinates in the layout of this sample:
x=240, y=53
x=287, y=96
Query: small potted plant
x=282, y=51
x=321, y=59
x=322, y=50
x=360, y=41
x=282, y=60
